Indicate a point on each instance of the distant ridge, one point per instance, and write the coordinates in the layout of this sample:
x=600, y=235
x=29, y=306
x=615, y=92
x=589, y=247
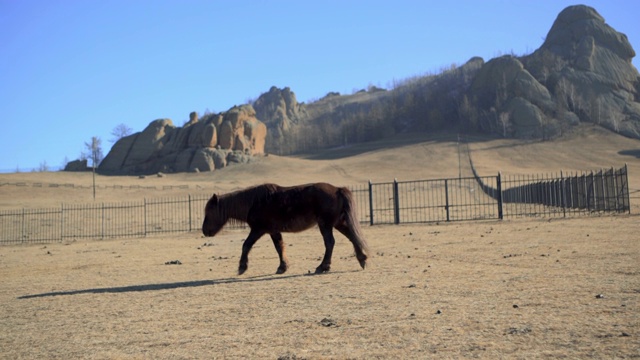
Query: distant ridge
x=582, y=73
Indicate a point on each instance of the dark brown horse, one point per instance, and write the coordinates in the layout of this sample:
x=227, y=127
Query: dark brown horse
x=272, y=209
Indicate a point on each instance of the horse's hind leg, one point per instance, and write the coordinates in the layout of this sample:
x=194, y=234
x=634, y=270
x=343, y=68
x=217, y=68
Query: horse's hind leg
x=246, y=248
x=279, y=244
x=348, y=233
x=329, y=242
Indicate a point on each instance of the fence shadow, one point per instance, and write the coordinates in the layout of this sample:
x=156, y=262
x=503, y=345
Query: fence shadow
x=630, y=152
x=174, y=285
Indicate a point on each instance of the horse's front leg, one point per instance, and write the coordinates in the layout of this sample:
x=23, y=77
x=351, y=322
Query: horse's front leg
x=279, y=245
x=246, y=248
x=329, y=242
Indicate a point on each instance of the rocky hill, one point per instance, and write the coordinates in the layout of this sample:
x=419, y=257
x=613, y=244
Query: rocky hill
x=582, y=73
x=200, y=145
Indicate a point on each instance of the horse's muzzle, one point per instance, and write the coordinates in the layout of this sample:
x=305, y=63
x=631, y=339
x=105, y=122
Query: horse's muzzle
x=207, y=233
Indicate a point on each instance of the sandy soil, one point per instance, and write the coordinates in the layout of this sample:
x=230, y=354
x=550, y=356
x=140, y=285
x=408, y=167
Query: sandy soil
x=533, y=288
x=510, y=289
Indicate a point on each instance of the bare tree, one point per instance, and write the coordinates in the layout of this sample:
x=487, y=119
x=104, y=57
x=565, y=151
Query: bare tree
x=119, y=132
x=502, y=93
x=616, y=120
x=43, y=166
x=93, y=151
x=504, y=120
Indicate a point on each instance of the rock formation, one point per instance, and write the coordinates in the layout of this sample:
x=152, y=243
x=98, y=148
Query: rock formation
x=200, y=145
x=587, y=65
x=582, y=72
x=77, y=165
x=279, y=108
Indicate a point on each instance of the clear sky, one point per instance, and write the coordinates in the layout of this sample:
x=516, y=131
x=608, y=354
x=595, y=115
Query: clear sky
x=73, y=69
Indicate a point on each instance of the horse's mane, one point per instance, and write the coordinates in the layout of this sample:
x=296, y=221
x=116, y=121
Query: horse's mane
x=236, y=204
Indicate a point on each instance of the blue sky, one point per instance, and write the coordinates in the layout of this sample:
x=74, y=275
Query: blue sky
x=73, y=69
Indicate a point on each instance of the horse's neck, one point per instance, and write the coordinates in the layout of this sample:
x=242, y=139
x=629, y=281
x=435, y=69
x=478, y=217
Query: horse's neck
x=235, y=209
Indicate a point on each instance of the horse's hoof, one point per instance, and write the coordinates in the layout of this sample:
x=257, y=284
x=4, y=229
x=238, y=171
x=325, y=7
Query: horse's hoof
x=281, y=270
x=362, y=260
x=241, y=270
x=322, y=269
x=363, y=264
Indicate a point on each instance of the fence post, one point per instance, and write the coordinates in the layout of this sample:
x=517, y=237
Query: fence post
x=62, y=222
x=612, y=189
x=144, y=209
x=23, y=225
x=499, y=195
x=593, y=191
x=446, y=197
x=370, y=203
x=605, y=198
x=189, y=212
x=563, y=195
x=102, y=224
x=396, y=202
x=626, y=183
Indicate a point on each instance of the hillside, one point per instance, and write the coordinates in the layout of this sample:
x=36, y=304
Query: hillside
x=403, y=156
x=582, y=74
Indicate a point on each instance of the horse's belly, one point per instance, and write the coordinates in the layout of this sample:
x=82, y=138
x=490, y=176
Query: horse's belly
x=297, y=225
x=290, y=211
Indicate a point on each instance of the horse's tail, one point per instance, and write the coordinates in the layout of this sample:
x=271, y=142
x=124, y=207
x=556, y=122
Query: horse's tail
x=350, y=215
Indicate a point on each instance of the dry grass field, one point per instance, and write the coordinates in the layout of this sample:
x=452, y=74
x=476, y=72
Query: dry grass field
x=522, y=289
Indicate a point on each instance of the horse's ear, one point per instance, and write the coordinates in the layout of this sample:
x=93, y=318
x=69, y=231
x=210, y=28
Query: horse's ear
x=214, y=199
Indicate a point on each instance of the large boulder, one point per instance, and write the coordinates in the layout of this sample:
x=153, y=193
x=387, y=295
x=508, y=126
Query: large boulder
x=201, y=144
x=278, y=108
x=587, y=65
x=77, y=165
x=202, y=160
x=241, y=130
x=583, y=72
x=205, y=132
x=150, y=141
x=526, y=118
x=508, y=89
x=114, y=161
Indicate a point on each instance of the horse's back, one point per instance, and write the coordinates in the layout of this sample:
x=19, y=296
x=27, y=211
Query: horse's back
x=296, y=208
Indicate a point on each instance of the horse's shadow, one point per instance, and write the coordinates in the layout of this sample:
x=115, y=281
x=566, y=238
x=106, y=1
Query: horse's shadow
x=169, y=286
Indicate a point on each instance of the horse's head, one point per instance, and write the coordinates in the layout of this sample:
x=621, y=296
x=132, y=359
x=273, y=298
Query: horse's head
x=214, y=217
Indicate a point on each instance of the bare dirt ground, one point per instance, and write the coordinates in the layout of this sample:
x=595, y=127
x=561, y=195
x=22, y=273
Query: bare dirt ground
x=529, y=288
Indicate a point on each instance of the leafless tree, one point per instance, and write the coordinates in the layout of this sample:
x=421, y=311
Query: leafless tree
x=43, y=166
x=119, y=132
x=504, y=120
x=93, y=151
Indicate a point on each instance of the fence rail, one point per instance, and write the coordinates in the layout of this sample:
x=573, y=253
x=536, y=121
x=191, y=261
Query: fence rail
x=416, y=201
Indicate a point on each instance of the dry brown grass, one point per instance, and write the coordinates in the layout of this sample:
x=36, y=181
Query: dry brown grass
x=444, y=291
x=497, y=289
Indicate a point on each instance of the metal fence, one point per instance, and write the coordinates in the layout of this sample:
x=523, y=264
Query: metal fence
x=104, y=220
x=496, y=197
x=563, y=194
x=429, y=201
x=396, y=202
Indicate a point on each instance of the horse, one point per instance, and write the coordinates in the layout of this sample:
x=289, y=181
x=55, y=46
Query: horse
x=273, y=209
